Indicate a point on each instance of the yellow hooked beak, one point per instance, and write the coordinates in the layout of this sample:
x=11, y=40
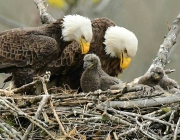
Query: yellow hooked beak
x=85, y=46
x=124, y=60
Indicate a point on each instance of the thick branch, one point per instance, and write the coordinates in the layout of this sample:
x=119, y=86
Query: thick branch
x=45, y=17
x=168, y=43
x=140, y=103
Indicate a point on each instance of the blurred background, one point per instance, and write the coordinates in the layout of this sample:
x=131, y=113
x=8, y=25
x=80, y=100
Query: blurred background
x=146, y=18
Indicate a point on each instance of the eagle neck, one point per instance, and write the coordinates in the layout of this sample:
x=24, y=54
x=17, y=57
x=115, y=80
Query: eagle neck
x=54, y=30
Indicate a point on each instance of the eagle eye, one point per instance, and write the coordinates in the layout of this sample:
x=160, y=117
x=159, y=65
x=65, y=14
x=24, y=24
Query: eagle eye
x=82, y=37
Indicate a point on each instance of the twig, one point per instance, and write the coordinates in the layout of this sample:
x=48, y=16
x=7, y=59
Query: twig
x=39, y=110
x=10, y=131
x=176, y=130
x=33, y=120
x=115, y=136
x=11, y=92
x=116, y=119
x=168, y=71
x=24, y=86
x=164, y=115
x=128, y=132
x=152, y=114
x=44, y=81
x=141, y=116
x=43, y=102
x=170, y=119
x=6, y=92
x=145, y=132
x=57, y=118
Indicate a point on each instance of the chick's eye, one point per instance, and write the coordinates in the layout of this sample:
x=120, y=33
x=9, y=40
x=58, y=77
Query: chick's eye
x=159, y=73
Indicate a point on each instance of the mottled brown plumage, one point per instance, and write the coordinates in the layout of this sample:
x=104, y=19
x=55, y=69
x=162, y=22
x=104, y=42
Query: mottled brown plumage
x=93, y=77
x=27, y=52
x=65, y=60
x=71, y=75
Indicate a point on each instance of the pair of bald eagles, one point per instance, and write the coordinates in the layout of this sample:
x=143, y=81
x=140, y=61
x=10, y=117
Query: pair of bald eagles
x=59, y=47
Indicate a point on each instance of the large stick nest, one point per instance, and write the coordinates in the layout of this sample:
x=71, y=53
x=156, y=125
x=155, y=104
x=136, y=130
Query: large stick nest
x=135, y=112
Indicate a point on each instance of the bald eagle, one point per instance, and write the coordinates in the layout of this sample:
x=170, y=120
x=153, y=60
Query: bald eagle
x=114, y=45
x=25, y=52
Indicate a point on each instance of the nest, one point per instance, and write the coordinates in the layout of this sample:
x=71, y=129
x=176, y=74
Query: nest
x=135, y=112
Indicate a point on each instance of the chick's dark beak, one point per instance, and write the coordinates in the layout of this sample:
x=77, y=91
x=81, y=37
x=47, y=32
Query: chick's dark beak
x=87, y=65
x=155, y=76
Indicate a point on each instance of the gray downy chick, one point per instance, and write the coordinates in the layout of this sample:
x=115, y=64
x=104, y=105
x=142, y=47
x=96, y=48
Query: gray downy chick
x=93, y=77
x=157, y=76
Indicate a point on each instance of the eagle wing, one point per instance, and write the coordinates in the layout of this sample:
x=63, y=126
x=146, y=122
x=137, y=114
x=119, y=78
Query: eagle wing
x=69, y=59
x=108, y=81
x=24, y=46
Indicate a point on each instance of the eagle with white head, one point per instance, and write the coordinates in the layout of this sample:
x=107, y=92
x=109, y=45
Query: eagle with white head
x=78, y=28
x=26, y=52
x=121, y=43
x=114, y=45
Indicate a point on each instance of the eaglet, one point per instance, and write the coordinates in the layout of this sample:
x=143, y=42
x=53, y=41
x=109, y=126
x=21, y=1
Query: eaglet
x=93, y=77
x=157, y=77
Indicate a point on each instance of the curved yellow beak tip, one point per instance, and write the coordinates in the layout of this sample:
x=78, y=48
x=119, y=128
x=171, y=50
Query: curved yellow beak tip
x=125, y=63
x=85, y=48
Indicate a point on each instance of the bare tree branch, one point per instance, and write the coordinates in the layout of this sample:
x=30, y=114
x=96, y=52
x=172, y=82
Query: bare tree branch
x=43, y=102
x=167, y=45
x=45, y=17
x=155, y=101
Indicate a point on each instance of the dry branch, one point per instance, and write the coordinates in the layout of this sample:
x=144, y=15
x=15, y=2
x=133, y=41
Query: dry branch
x=176, y=130
x=167, y=45
x=37, y=114
x=10, y=130
x=45, y=17
x=140, y=103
